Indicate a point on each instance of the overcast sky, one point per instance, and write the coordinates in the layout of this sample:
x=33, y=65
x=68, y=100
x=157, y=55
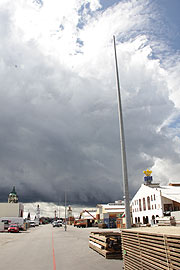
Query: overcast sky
x=58, y=97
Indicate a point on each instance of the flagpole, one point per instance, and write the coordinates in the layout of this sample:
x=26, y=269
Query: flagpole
x=123, y=149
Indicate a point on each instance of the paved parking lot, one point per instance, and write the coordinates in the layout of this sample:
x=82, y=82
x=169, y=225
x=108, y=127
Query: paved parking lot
x=47, y=248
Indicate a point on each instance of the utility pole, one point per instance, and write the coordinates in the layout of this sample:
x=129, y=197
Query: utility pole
x=65, y=226
x=59, y=209
x=123, y=149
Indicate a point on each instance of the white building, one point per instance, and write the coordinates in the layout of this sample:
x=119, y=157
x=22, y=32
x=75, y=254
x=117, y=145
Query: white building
x=11, y=209
x=152, y=201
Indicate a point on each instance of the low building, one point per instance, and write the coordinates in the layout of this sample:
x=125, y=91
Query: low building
x=110, y=213
x=153, y=201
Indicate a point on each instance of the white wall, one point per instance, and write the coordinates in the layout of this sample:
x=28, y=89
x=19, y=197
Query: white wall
x=10, y=209
x=176, y=214
x=155, y=204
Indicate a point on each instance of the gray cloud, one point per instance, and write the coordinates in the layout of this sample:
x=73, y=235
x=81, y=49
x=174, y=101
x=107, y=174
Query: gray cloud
x=59, y=126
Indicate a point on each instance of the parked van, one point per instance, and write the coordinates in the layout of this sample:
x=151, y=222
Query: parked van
x=15, y=220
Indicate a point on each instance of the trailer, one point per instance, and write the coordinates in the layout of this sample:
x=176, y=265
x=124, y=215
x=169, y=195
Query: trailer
x=15, y=220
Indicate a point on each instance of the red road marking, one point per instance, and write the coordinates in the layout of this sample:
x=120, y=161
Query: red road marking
x=54, y=261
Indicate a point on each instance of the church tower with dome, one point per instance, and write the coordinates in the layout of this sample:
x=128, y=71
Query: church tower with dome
x=13, y=197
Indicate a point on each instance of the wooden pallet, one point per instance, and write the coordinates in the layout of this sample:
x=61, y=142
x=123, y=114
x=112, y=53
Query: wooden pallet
x=148, y=251
x=108, y=244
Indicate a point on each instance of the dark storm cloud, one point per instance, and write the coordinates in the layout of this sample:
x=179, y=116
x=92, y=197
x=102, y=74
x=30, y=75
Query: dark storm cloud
x=51, y=136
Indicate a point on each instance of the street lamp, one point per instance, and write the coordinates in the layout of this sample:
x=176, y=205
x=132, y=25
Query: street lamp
x=65, y=202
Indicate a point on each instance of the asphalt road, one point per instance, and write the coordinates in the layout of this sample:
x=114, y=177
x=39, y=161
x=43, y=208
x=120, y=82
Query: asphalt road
x=49, y=248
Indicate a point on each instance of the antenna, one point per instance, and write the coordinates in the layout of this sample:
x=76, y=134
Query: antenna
x=123, y=149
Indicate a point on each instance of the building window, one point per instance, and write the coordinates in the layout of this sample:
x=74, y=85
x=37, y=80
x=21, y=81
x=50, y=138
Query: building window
x=140, y=207
x=151, y=198
x=152, y=207
x=155, y=206
x=137, y=202
x=135, y=219
x=148, y=203
x=144, y=204
x=145, y=220
x=154, y=197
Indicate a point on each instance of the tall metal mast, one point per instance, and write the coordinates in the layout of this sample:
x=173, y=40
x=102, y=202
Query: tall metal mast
x=123, y=149
x=65, y=225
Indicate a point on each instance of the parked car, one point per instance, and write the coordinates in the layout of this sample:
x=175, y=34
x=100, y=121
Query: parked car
x=55, y=224
x=59, y=222
x=36, y=221
x=13, y=228
x=32, y=224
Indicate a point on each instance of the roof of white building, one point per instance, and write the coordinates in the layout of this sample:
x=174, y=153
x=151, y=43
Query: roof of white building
x=115, y=210
x=112, y=206
x=169, y=192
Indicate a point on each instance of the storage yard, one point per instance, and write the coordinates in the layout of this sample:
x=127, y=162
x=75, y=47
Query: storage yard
x=96, y=237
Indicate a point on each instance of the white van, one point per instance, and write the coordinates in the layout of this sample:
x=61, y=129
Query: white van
x=15, y=220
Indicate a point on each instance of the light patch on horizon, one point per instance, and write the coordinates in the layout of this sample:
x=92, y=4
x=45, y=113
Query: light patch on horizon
x=48, y=210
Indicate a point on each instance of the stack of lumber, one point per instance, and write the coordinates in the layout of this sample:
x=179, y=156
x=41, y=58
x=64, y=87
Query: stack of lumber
x=147, y=250
x=107, y=244
x=166, y=221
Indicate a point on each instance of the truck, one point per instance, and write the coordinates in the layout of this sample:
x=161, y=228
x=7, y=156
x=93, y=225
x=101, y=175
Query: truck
x=12, y=220
x=87, y=221
x=80, y=223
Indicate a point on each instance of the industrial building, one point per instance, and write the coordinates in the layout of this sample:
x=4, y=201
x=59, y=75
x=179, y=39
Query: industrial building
x=111, y=214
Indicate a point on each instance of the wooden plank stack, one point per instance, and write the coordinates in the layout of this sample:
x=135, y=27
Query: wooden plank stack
x=108, y=244
x=149, y=251
x=166, y=221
